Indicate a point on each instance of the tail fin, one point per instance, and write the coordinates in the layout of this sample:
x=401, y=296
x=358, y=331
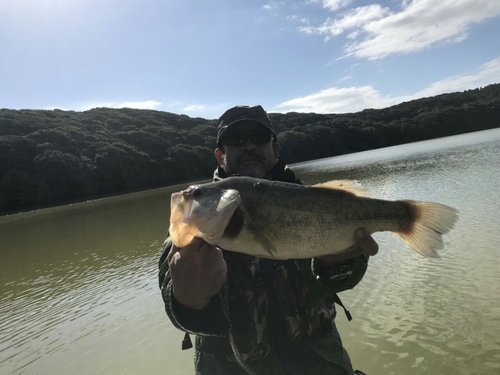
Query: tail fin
x=431, y=221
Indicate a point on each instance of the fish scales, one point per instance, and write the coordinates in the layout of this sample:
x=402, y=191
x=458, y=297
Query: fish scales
x=296, y=231
x=282, y=221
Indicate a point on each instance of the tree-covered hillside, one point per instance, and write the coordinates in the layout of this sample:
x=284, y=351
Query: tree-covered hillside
x=56, y=157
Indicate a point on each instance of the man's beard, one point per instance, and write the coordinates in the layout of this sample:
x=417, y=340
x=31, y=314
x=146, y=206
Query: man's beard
x=255, y=169
x=252, y=170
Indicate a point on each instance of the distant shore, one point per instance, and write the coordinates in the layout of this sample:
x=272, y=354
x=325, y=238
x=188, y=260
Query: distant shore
x=59, y=157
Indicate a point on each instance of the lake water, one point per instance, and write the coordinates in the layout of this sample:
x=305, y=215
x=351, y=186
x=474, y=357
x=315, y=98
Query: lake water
x=79, y=291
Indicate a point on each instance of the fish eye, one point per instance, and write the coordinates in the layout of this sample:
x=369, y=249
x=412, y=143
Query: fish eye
x=196, y=192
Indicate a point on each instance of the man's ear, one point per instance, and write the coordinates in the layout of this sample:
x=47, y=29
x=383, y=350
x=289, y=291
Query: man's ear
x=219, y=155
x=276, y=149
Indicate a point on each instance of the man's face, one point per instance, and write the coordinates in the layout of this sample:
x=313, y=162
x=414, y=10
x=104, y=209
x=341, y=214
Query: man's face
x=253, y=159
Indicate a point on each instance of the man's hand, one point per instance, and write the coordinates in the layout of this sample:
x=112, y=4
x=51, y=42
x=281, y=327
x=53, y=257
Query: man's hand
x=198, y=272
x=364, y=244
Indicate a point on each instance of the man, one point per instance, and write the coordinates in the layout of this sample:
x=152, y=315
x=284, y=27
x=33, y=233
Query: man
x=253, y=315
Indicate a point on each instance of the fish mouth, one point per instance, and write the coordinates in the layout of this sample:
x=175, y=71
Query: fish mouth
x=176, y=207
x=175, y=199
x=181, y=232
x=205, y=213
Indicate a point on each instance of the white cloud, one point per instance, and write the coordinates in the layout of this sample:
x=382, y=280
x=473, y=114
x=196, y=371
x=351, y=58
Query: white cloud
x=194, y=108
x=335, y=4
x=332, y=5
x=353, y=99
x=487, y=74
x=296, y=18
x=148, y=104
x=419, y=24
x=346, y=78
x=270, y=5
x=208, y=111
x=354, y=18
x=86, y=107
x=335, y=100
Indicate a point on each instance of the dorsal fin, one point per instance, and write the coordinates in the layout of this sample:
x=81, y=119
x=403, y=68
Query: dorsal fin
x=353, y=187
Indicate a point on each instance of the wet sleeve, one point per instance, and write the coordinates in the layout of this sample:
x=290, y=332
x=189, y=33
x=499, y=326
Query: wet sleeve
x=209, y=321
x=342, y=276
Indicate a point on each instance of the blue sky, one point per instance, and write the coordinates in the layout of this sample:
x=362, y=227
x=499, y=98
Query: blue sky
x=201, y=57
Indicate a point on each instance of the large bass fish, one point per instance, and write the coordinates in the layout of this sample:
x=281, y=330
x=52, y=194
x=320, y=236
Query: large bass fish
x=280, y=220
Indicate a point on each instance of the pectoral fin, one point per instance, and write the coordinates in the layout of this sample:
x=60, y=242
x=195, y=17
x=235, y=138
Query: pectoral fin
x=264, y=242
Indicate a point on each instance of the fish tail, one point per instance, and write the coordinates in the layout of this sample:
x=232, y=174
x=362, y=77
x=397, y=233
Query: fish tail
x=430, y=222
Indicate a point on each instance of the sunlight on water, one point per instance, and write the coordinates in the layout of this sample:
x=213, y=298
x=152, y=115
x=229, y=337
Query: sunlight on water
x=424, y=316
x=79, y=289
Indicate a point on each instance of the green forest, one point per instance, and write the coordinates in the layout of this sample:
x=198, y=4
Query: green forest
x=53, y=157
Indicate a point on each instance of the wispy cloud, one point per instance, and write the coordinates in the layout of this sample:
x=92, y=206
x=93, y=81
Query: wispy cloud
x=345, y=78
x=148, y=104
x=357, y=98
x=333, y=5
x=353, y=19
x=296, y=18
x=86, y=107
x=208, y=111
x=487, y=74
x=376, y=32
x=194, y=108
x=270, y=5
x=335, y=100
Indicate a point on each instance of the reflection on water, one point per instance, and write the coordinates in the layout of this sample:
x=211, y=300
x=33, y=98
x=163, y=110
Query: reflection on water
x=427, y=316
x=79, y=291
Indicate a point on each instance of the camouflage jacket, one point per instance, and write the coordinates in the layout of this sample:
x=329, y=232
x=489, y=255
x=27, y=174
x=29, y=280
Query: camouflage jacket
x=272, y=317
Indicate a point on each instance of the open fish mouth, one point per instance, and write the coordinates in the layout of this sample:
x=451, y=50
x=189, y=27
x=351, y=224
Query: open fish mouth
x=196, y=212
x=175, y=199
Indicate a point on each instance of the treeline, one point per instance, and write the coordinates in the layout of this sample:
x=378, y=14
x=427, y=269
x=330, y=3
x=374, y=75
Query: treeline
x=56, y=157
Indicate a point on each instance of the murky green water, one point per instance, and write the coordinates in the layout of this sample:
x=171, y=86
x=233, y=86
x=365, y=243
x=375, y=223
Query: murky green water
x=79, y=293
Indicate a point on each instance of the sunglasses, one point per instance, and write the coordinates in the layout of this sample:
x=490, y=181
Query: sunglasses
x=241, y=139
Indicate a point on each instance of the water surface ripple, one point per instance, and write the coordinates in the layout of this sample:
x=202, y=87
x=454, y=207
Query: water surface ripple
x=79, y=291
x=429, y=316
